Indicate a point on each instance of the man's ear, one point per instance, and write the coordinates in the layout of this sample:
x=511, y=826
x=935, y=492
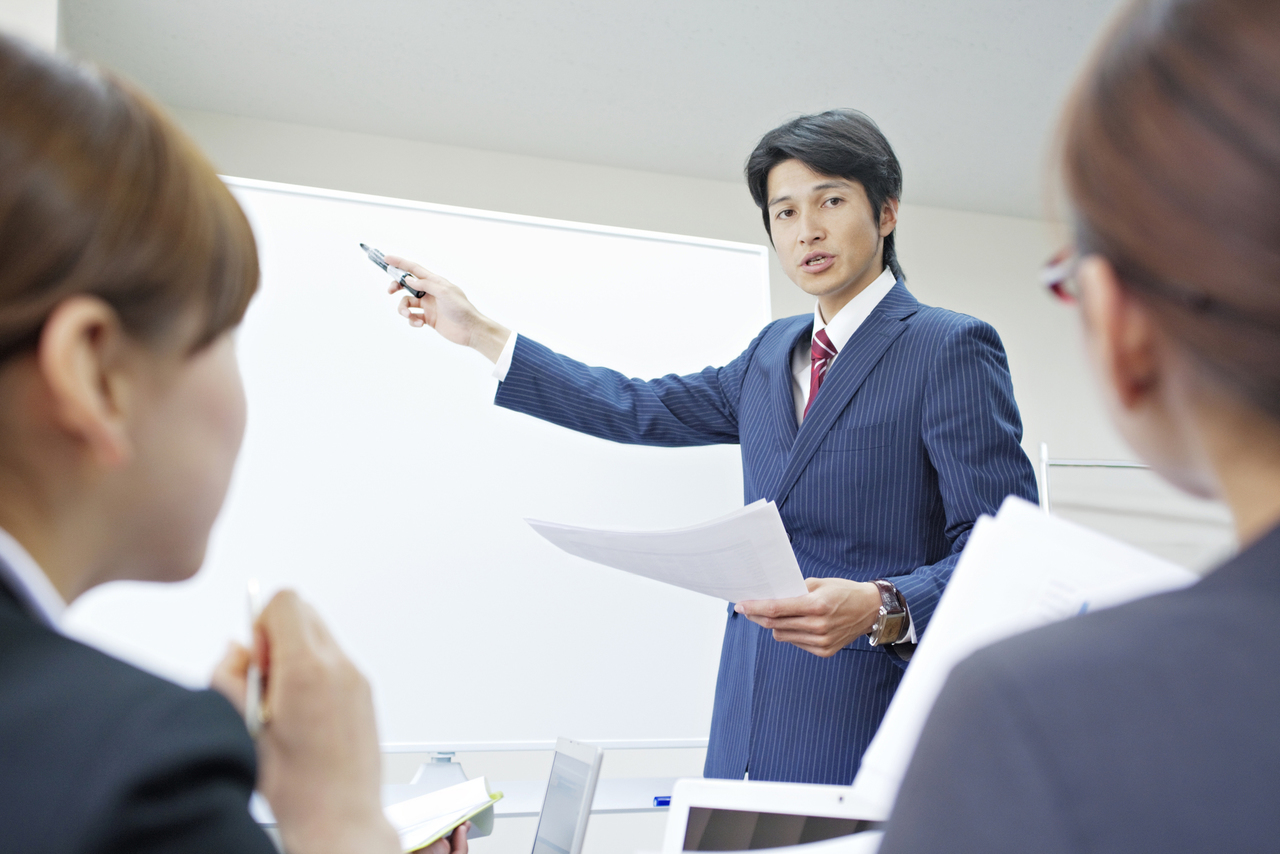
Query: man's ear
x=888, y=217
x=83, y=360
x=1122, y=336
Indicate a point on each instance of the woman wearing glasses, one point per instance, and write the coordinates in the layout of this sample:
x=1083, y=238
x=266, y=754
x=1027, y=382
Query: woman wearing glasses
x=1153, y=726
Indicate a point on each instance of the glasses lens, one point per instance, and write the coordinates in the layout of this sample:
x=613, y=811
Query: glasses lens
x=1059, y=275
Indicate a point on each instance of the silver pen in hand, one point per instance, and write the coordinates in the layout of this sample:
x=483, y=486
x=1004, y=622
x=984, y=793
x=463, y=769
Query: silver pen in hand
x=400, y=276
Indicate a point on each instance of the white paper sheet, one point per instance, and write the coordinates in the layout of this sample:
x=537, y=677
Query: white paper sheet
x=744, y=555
x=1020, y=570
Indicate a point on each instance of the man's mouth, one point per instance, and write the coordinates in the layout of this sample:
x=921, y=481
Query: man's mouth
x=817, y=261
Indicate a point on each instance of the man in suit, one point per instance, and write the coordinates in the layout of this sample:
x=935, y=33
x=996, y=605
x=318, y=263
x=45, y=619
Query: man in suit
x=881, y=428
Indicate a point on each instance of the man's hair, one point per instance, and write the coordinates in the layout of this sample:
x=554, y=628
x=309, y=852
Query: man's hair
x=840, y=143
x=101, y=194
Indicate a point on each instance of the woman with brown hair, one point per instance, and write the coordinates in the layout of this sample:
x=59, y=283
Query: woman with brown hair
x=125, y=266
x=1153, y=726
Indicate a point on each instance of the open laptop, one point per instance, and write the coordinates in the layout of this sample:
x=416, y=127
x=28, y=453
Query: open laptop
x=741, y=815
x=562, y=824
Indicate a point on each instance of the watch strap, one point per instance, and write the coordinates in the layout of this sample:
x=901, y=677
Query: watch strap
x=893, y=621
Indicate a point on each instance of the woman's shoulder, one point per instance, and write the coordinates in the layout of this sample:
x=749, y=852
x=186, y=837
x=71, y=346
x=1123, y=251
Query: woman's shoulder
x=94, y=744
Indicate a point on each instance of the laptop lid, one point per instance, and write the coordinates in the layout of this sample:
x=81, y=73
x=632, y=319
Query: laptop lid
x=562, y=824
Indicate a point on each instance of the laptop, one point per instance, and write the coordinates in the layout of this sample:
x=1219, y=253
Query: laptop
x=742, y=815
x=562, y=824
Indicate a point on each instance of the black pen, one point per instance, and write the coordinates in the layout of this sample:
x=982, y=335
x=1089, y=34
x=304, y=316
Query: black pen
x=400, y=276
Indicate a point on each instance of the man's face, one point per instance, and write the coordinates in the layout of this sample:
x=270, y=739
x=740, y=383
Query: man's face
x=826, y=237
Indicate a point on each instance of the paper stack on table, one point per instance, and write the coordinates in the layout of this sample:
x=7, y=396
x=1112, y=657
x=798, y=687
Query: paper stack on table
x=422, y=820
x=1020, y=570
x=744, y=555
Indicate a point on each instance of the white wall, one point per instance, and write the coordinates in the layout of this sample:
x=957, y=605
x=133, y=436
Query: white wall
x=34, y=20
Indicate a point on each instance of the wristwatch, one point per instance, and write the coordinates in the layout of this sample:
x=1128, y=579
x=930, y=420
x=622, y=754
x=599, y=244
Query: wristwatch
x=893, y=621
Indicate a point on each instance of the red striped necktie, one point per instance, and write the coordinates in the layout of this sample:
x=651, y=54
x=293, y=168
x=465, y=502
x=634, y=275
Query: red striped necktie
x=823, y=353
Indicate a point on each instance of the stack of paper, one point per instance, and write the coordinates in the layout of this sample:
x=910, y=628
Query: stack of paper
x=744, y=555
x=1020, y=570
x=422, y=820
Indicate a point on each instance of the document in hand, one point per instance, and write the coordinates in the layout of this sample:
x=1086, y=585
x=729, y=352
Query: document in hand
x=744, y=555
x=426, y=818
x=1020, y=570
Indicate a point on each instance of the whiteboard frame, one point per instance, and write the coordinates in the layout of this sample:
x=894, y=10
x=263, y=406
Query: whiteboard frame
x=756, y=249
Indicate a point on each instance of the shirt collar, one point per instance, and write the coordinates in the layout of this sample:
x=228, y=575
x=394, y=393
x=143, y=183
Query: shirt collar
x=858, y=309
x=19, y=571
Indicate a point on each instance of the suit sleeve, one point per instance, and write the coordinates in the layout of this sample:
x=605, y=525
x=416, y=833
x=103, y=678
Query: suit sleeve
x=183, y=775
x=972, y=433
x=696, y=409
x=979, y=780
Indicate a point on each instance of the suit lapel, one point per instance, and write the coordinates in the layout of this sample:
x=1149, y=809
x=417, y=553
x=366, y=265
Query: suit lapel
x=852, y=366
x=782, y=401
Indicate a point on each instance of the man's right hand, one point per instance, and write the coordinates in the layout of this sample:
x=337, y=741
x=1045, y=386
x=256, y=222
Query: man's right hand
x=446, y=309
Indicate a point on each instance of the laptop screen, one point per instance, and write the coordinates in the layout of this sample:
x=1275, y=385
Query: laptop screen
x=748, y=830
x=566, y=800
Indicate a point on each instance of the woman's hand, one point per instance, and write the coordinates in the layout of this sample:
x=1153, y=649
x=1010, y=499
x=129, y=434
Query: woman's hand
x=455, y=843
x=446, y=309
x=319, y=765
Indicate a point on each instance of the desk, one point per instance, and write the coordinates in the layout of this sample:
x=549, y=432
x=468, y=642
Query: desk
x=523, y=798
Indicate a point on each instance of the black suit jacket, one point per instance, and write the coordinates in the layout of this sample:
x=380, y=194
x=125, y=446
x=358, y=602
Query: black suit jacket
x=98, y=756
x=1154, y=726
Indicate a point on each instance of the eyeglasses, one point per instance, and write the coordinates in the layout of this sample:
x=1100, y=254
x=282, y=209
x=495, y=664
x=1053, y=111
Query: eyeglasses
x=1059, y=275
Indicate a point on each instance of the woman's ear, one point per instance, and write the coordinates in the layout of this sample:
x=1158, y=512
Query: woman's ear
x=83, y=359
x=1122, y=338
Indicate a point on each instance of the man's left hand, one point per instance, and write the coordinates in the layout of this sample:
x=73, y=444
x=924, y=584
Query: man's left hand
x=825, y=620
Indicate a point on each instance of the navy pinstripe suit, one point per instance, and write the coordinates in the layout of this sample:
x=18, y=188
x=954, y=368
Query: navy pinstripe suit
x=914, y=435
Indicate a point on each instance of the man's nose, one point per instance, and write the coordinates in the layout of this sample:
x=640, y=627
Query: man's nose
x=810, y=229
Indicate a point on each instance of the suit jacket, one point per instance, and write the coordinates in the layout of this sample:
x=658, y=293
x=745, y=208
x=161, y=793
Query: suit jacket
x=98, y=756
x=913, y=435
x=1147, y=727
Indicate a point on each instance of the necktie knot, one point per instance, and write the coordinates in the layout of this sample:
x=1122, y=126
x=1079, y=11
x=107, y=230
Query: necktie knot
x=822, y=353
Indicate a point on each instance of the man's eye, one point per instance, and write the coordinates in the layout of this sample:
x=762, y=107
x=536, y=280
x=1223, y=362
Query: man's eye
x=784, y=214
x=834, y=201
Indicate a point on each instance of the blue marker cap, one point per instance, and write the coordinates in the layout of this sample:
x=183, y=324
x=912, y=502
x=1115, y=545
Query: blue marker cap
x=662, y=801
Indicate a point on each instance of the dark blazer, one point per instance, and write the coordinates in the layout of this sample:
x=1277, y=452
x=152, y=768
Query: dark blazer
x=98, y=756
x=914, y=435
x=1153, y=726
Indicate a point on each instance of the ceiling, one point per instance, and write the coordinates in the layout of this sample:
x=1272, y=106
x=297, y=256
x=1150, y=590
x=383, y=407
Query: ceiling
x=966, y=90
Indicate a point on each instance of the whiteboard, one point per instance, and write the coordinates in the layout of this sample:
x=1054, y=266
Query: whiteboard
x=379, y=480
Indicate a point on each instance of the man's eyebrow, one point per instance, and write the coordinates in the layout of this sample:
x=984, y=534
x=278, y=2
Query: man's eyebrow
x=825, y=185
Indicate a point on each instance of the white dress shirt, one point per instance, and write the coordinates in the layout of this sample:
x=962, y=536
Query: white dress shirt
x=840, y=329
x=23, y=575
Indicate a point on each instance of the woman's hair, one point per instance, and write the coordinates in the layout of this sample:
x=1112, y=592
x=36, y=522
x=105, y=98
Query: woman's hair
x=101, y=194
x=1171, y=154
x=842, y=143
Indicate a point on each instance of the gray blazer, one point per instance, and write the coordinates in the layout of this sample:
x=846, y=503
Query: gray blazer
x=1154, y=726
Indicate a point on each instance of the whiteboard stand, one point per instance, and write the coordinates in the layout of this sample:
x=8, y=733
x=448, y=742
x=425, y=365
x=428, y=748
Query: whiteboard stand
x=1047, y=463
x=439, y=772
